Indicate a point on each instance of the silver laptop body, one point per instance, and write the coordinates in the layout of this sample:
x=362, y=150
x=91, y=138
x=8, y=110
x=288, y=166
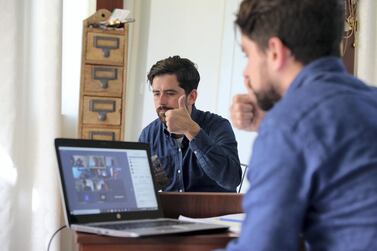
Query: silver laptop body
x=108, y=188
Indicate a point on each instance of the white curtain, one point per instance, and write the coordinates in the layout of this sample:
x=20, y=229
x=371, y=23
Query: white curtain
x=30, y=70
x=366, y=45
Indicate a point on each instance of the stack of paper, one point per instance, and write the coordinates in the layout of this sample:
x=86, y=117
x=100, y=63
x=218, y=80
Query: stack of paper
x=234, y=221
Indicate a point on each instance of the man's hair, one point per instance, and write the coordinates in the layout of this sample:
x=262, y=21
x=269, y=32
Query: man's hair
x=309, y=28
x=187, y=75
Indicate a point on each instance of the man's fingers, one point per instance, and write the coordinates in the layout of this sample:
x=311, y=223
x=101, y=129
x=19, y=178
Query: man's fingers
x=241, y=119
x=242, y=107
x=249, y=98
x=243, y=116
x=242, y=98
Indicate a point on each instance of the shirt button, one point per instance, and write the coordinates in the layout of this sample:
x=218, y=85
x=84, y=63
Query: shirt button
x=179, y=150
x=179, y=170
x=196, y=152
x=180, y=190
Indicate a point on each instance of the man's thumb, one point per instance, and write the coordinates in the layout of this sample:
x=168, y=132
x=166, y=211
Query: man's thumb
x=182, y=102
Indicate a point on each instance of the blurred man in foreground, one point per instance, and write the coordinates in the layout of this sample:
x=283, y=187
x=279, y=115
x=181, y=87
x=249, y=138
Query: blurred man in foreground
x=313, y=172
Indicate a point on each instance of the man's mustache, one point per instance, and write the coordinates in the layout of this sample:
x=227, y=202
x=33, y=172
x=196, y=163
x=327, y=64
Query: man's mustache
x=163, y=109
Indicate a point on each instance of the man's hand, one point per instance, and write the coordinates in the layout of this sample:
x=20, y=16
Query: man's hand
x=178, y=121
x=245, y=113
x=159, y=174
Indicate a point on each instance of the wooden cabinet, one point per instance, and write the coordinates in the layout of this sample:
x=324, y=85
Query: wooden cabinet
x=103, y=79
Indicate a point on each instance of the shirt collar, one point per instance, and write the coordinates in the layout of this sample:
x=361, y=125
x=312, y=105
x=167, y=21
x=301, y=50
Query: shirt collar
x=315, y=69
x=194, y=113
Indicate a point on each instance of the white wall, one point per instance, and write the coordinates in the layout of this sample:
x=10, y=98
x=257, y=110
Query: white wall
x=191, y=29
x=74, y=12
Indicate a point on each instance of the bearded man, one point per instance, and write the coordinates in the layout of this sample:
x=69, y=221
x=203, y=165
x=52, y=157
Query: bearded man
x=197, y=150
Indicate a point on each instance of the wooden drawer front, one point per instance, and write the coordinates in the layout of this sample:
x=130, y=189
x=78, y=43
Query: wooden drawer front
x=100, y=133
x=103, y=80
x=102, y=111
x=104, y=48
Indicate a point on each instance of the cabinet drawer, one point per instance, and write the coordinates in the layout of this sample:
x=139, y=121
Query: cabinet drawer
x=100, y=133
x=103, y=80
x=102, y=111
x=104, y=48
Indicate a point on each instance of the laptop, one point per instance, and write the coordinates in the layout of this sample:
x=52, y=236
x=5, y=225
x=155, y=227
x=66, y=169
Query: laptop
x=108, y=189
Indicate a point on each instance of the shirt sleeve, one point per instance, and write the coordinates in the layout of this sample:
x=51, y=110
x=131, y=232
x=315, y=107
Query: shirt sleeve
x=142, y=137
x=216, y=151
x=276, y=199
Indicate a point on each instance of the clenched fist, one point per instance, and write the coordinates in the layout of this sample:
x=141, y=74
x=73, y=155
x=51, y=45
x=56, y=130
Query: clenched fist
x=245, y=113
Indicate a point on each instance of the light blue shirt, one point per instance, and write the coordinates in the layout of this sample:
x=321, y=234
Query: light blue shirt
x=313, y=172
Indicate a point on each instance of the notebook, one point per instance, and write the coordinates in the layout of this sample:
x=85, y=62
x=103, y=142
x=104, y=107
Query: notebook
x=108, y=188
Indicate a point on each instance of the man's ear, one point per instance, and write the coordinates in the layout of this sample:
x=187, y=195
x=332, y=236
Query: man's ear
x=191, y=97
x=278, y=53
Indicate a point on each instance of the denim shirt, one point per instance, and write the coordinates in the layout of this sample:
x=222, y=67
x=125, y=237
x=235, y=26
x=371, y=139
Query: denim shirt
x=313, y=172
x=207, y=163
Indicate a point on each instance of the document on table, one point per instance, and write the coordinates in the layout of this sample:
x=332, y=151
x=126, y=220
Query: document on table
x=234, y=221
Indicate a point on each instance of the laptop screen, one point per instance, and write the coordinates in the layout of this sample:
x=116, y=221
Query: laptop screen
x=106, y=180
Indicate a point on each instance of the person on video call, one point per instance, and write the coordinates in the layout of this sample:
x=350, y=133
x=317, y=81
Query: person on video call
x=197, y=150
x=313, y=171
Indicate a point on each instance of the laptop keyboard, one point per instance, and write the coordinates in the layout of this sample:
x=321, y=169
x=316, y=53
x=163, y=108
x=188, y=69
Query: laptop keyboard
x=144, y=224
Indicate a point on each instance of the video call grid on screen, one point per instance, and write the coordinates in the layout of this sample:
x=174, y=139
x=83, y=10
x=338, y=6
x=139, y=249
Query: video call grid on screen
x=107, y=180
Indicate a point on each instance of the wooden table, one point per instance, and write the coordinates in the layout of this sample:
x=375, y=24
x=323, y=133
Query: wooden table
x=202, y=242
x=174, y=204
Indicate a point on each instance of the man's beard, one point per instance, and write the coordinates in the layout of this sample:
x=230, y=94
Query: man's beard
x=266, y=100
x=161, y=110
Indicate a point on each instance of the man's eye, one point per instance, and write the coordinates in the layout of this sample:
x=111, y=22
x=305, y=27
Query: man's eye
x=170, y=93
x=156, y=94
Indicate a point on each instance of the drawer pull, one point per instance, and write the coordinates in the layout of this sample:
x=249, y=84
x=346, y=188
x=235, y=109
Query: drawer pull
x=102, y=107
x=104, y=80
x=93, y=134
x=106, y=44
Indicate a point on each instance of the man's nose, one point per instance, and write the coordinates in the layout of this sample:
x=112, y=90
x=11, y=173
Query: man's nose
x=162, y=99
x=247, y=82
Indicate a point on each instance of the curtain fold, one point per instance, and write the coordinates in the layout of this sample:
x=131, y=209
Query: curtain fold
x=30, y=120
